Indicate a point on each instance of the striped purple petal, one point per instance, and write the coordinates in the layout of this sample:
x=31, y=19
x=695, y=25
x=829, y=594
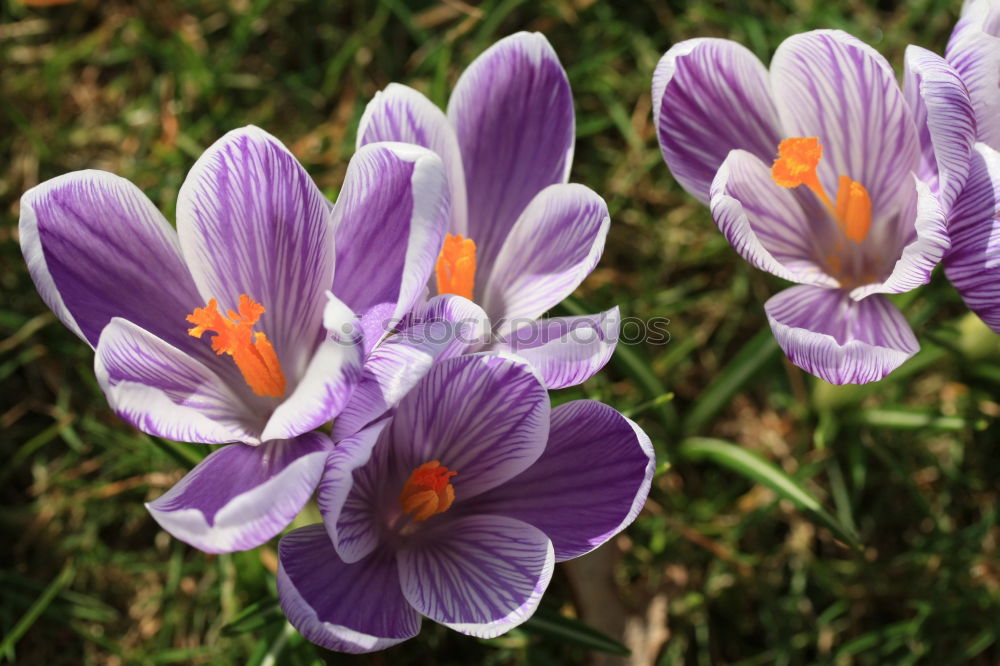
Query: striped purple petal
x=166, y=392
x=327, y=382
x=241, y=496
x=973, y=264
x=86, y=234
x=390, y=220
x=447, y=326
x=553, y=246
x=251, y=221
x=453, y=309
x=351, y=492
x=974, y=51
x=767, y=224
x=512, y=110
x=566, y=351
x=485, y=416
x=943, y=114
x=711, y=96
x=480, y=575
x=345, y=607
x=830, y=85
x=589, y=485
x=400, y=113
x=387, y=375
x=829, y=334
x=923, y=227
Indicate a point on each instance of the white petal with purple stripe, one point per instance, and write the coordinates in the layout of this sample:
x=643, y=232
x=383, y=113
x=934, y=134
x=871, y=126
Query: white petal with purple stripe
x=566, y=351
x=166, y=392
x=829, y=334
x=86, y=234
x=390, y=221
x=348, y=498
x=711, y=96
x=554, y=245
x=400, y=113
x=352, y=608
x=242, y=496
x=251, y=221
x=512, y=110
x=830, y=85
x=480, y=575
x=974, y=51
x=928, y=242
x=973, y=264
x=766, y=223
x=327, y=383
x=485, y=416
x=944, y=117
x=589, y=485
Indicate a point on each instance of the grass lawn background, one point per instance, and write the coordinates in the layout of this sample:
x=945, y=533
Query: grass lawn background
x=891, y=558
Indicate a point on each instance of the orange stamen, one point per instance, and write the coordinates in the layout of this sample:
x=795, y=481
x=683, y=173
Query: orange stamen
x=427, y=491
x=234, y=335
x=857, y=217
x=796, y=165
x=456, y=266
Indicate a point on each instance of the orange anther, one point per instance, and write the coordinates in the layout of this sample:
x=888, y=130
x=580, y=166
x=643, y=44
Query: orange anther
x=796, y=165
x=856, y=218
x=456, y=266
x=797, y=160
x=234, y=335
x=427, y=492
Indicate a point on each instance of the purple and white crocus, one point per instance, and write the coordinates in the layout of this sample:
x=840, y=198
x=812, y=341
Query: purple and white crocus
x=236, y=327
x=845, y=210
x=521, y=238
x=973, y=263
x=457, y=507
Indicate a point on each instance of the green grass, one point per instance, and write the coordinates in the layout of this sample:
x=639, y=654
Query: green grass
x=747, y=556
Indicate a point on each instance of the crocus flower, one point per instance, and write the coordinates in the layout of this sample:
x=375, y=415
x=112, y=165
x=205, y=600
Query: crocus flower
x=520, y=238
x=458, y=507
x=812, y=171
x=235, y=327
x=973, y=263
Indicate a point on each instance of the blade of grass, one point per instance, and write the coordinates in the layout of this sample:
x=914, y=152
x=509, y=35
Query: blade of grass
x=839, y=493
x=632, y=362
x=748, y=361
x=187, y=455
x=569, y=630
x=278, y=646
x=27, y=449
x=493, y=17
x=758, y=470
x=903, y=419
x=262, y=613
x=649, y=404
x=35, y=610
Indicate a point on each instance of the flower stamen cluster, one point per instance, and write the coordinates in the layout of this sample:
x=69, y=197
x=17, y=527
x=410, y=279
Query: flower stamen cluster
x=796, y=165
x=251, y=350
x=427, y=491
x=456, y=266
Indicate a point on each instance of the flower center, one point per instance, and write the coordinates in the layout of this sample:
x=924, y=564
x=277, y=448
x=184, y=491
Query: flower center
x=234, y=335
x=427, y=491
x=456, y=266
x=796, y=165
